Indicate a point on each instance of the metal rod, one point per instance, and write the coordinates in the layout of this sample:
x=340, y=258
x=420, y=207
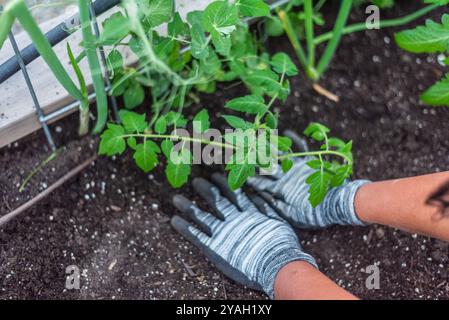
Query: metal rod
x=39, y=111
x=107, y=75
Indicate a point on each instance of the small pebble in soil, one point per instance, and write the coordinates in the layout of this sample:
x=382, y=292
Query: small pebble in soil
x=154, y=206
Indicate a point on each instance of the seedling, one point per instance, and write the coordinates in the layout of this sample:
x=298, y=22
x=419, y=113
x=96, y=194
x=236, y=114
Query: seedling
x=299, y=18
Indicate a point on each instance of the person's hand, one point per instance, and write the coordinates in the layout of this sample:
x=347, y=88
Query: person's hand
x=288, y=194
x=245, y=240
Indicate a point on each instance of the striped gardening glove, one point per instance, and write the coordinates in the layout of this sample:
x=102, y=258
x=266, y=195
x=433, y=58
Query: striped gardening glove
x=288, y=194
x=246, y=240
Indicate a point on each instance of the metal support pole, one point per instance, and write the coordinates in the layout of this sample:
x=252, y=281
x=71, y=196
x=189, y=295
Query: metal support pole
x=107, y=75
x=39, y=111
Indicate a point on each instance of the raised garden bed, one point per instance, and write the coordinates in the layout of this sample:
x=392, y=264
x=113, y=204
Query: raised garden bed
x=121, y=237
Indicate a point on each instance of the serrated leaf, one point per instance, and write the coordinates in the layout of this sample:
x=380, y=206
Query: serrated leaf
x=252, y=104
x=146, y=155
x=178, y=173
x=112, y=141
x=283, y=64
x=253, y=8
x=431, y=37
x=265, y=80
x=167, y=146
x=237, y=123
x=341, y=174
x=161, y=125
x=239, y=173
x=286, y=165
x=134, y=95
x=201, y=121
x=317, y=131
x=284, y=143
x=319, y=185
x=133, y=122
x=438, y=94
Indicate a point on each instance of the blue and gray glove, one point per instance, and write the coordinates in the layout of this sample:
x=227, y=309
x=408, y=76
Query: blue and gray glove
x=288, y=194
x=246, y=240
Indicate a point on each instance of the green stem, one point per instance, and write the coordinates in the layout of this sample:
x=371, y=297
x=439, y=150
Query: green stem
x=315, y=153
x=308, y=11
x=288, y=28
x=177, y=137
x=18, y=9
x=383, y=23
x=332, y=45
x=89, y=41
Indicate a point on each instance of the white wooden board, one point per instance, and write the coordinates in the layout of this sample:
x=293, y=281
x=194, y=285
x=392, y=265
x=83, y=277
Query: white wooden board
x=17, y=112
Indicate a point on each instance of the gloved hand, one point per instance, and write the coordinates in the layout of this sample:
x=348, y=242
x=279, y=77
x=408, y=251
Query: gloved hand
x=288, y=194
x=248, y=245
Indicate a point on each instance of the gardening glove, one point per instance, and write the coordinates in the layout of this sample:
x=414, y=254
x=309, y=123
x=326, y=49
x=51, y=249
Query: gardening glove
x=246, y=241
x=288, y=194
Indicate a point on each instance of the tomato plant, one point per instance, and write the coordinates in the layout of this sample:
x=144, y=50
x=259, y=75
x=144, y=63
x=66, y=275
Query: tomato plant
x=210, y=46
x=432, y=37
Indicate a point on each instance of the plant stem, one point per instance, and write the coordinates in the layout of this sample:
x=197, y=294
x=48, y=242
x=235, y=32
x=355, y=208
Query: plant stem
x=89, y=41
x=332, y=45
x=38, y=169
x=288, y=28
x=383, y=23
x=177, y=137
x=315, y=153
x=308, y=11
x=18, y=9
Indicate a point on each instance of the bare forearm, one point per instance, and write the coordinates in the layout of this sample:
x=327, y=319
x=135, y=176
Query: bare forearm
x=301, y=281
x=407, y=204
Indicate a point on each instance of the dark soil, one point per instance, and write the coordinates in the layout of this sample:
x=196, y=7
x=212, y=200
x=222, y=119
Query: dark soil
x=112, y=221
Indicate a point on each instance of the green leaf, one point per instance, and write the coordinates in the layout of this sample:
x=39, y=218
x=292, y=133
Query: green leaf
x=156, y=12
x=114, y=62
x=177, y=27
x=167, y=146
x=274, y=27
x=317, y=131
x=240, y=172
x=199, y=45
x=115, y=28
x=134, y=95
x=271, y=120
x=220, y=17
x=178, y=173
x=253, y=8
x=175, y=118
x=264, y=79
x=133, y=122
x=284, y=143
x=438, y=94
x=237, y=123
x=146, y=155
x=252, y=104
x=161, y=125
x=319, y=185
x=286, y=165
x=222, y=43
x=283, y=64
x=341, y=174
x=212, y=64
x=201, y=121
x=431, y=37
x=112, y=141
